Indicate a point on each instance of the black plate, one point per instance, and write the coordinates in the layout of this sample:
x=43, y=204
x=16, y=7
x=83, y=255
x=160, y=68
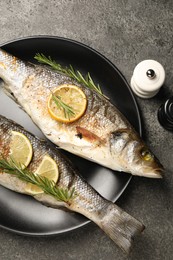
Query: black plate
x=24, y=215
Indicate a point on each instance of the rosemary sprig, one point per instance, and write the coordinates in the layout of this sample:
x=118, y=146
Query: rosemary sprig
x=48, y=186
x=68, y=110
x=69, y=71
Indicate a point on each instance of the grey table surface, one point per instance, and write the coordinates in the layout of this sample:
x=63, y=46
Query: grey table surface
x=126, y=32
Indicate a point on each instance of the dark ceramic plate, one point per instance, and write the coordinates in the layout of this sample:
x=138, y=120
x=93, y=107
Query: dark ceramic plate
x=21, y=213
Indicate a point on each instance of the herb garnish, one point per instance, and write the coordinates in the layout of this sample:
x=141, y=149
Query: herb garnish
x=68, y=110
x=48, y=186
x=87, y=80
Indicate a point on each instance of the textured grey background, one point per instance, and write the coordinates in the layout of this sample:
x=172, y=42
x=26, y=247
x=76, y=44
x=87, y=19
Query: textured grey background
x=126, y=32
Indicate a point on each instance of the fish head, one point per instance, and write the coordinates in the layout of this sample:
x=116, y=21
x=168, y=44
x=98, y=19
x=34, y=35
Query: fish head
x=133, y=155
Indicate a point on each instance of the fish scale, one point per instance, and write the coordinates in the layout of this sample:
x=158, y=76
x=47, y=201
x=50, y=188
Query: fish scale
x=95, y=136
x=117, y=224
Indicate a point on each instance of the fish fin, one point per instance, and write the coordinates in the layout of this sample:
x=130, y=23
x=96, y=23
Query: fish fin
x=121, y=227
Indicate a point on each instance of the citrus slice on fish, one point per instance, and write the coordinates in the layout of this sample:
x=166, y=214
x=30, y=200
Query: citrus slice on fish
x=20, y=149
x=67, y=103
x=48, y=168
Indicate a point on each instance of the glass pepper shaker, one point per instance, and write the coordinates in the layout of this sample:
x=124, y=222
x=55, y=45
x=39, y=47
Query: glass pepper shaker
x=165, y=114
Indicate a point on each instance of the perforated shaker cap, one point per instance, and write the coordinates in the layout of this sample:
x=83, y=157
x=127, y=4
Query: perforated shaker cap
x=147, y=79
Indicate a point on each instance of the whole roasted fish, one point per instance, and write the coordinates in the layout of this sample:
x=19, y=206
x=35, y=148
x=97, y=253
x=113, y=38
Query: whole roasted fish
x=102, y=134
x=116, y=223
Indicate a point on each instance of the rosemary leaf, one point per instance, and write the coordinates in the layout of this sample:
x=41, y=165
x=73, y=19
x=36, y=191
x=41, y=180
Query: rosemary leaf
x=48, y=186
x=69, y=71
x=68, y=110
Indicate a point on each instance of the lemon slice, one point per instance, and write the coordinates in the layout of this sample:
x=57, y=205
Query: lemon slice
x=47, y=168
x=20, y=149
x=71, y=96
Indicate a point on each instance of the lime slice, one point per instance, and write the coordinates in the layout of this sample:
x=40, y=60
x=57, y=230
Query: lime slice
x=47, y=168
x=20, y=149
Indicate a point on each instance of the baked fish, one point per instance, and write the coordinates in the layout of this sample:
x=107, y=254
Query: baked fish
x=116, y=223
x=102, y=134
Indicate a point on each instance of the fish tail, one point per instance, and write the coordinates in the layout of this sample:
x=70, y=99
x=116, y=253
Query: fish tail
x=120, y=227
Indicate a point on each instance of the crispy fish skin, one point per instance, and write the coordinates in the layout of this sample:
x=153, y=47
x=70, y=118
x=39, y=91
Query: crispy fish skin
x=102, y=135
x=116, y=223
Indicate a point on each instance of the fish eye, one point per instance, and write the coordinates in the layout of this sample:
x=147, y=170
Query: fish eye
x=146, y=154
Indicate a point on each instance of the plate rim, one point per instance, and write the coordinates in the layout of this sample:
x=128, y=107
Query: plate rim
x=94, y=51
x=69, y=40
